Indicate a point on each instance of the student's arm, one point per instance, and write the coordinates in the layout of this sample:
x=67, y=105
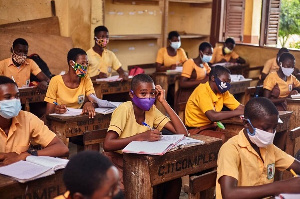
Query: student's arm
x=185, y=82
x=230, y=188
x=59, y=109
x=217, y=116
x=162, y=68
x=240, y=60
x=122, y=74
x=89, y=107
x=43, y=85
x=99, y=76
x=176, y=125
x=112, y=141
x=268, y=94
x=56, y=148
x=263, y=76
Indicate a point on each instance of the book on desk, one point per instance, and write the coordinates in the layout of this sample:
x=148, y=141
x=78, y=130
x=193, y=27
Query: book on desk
x=33, y=168
x=160, y=147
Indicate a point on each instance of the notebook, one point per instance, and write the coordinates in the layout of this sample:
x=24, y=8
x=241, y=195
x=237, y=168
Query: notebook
x=288, y=196
x=297, y=96
x=33, y=168
x=159, y=147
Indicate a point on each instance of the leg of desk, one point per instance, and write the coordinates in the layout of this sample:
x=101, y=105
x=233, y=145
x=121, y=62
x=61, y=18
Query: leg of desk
x=27, y=108
x=59, y=130
x=136, y=177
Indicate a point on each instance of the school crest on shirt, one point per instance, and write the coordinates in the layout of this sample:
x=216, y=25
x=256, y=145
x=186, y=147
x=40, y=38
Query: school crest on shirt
x=270, y=171
x=290, y=87
x=80, y=99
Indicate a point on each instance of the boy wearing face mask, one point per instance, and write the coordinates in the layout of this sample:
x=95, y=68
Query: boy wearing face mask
x=140, y=120
x=73, y=89
x=247, y=161
x=225, y=53
x=102, y=60
x=18, y=128
x=170, y=57
x=204, y=106
x=18, y=67
x=282, y=80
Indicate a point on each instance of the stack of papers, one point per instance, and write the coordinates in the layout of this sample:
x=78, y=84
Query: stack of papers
x=175, y=71
x=295, y=96
x=33, y=168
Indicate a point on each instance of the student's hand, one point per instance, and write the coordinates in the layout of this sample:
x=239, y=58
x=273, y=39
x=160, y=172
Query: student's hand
x=293, y=92
x=124, y=76
x=275, y=91
x=150, y=135
x=12, y=157
x=43, y=85
x=222, y=60
x=160, y=96
x=60, y=109
x=102, y=75
x=173, y=67
x=89, y=109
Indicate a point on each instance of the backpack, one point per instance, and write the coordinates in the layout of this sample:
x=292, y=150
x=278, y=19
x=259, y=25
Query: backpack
x=135, y=71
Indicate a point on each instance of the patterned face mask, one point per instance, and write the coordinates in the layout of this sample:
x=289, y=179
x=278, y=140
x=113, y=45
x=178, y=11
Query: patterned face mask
x=102, y=42
x=19, y=59
x=80, y=70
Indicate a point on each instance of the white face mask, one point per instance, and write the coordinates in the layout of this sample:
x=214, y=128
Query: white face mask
x=286, y=71
x=260, y=137
x=175, y=45
x=10, y=108
x=227, y=50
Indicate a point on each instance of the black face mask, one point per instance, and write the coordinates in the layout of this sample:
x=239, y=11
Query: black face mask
x=119, y=195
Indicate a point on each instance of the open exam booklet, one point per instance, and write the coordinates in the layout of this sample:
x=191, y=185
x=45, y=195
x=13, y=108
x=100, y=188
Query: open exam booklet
x=165, y=144
x=33, y=168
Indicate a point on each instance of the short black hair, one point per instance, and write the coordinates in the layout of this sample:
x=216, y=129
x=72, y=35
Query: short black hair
x=173, y=34
x=99, y=29
x=19, y=41
x=6, y=80
x=218, y=70
x=204, y=45
x=282, y=50
x=85, y=172
x=229, y=40
x=140, y=78
x=285, y=56
x=258, y=108
x=74, y=53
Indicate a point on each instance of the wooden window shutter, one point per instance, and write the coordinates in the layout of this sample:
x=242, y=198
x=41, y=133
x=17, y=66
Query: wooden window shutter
x=234, y=20
x=271, y=22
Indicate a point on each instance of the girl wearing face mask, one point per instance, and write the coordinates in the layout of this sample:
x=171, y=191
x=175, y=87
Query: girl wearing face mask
x=73, y=89
x=171, y=56
x=282, y=84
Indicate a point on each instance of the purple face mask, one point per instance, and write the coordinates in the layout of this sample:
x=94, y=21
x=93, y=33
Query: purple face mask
x=143, y=103
x=222, y=86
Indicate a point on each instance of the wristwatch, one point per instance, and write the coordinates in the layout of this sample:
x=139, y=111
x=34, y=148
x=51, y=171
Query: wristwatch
x=32, y=152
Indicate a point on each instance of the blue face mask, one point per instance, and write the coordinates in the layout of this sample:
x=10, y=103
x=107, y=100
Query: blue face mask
x=10, y=108
x=222, y=86
x=206, y=58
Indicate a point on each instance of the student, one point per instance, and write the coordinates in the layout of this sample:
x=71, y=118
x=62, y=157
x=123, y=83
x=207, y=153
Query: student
x=90, y=174
x=171, y=56
x=126, y=124
x=272, y=65
x=102, y=60
x=282, y=84
x=73, y=89
x=18, y=128
x=225, y=53
x=247, y=161
x=18, y=67
x=204, y=106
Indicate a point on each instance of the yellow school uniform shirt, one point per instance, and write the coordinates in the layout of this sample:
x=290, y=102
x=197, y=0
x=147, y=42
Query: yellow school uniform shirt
x=72, y=97
x=285, y=86
x=190, y=65
x=239, y=160
x=64, y=196
x=164, y=58
x=21, y=74
x=218, y=55
x=103, y=63
x=204, y=99
x=270, y=66
x=25, y=127
x=123, y=120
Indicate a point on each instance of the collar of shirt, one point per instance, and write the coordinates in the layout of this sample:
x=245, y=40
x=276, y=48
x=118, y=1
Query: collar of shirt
x=13, y=126
x=11, y=63
x=96, y=54
x=215, y=97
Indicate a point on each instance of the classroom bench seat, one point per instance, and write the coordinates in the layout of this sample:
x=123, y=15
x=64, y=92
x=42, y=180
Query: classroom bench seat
x=93, y=140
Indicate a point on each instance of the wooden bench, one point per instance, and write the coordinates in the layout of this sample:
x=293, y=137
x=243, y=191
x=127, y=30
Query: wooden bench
x=93, y=140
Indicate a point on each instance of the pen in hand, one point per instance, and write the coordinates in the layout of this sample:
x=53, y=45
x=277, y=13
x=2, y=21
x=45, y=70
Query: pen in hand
x=58, y=104
x=147, y=125
x=293, y=172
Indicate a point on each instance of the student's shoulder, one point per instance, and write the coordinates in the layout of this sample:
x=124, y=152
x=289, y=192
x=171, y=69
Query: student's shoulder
x=188, y=62
x=56, y=78
x=162, y=50
x=26, y=116
x=125, y=106
x=272, y=75
x=6, y=61
x=90, y=51
x=231, y=144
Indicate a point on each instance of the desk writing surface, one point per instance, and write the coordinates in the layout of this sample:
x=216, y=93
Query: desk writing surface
x=47, y=187
x=104, y=88
x=142, y=172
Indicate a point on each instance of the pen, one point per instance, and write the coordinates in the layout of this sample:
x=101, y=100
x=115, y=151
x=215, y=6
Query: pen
x=57, y=105
x=12, y=77
x=145, y=124
x=293, y=172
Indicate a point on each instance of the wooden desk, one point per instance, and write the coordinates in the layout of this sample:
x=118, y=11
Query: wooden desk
x=239, y=86
x=70, y=126
x=294, y=105
x=142, y=172
x=47, y=187
x=31, y=95
x=106, y=88
x=236, y=68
